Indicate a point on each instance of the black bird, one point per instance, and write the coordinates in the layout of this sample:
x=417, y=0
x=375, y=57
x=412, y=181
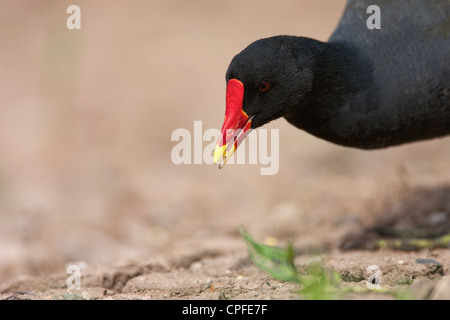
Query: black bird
x=364, y=88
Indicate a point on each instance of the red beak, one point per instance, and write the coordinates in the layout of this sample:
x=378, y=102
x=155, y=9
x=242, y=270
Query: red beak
x=236, y=125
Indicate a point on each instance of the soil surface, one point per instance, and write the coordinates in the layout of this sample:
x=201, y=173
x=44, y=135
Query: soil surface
x=87, y=178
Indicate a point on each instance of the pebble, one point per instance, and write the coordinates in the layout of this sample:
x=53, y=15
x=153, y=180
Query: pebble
x=429, y=261
x=207, y=285
x=86, y=296
x=438, y=218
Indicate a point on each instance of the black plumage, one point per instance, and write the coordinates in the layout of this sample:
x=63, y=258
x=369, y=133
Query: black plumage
x=364, y=88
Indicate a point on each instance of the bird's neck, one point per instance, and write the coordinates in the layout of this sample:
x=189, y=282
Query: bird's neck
x=342, y=106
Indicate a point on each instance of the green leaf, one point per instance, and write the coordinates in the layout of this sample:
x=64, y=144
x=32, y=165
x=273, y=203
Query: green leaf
x=321, y=284
x=278, y=263
x=318, y=283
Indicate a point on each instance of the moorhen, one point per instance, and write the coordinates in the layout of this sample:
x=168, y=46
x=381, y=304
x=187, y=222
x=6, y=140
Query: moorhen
x=364, y=88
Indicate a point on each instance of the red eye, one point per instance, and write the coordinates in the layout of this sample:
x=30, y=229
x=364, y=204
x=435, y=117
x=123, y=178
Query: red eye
x=263, y=86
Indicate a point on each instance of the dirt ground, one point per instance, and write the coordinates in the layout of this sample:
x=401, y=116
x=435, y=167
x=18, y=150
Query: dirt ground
x=86, y=176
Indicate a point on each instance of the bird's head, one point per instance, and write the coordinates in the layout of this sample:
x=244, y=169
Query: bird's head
x=265, y=81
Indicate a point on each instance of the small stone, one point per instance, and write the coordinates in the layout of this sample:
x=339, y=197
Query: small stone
x=438, y=218
x=108, y=292
x=86, y=296
x=196, y=266
x=429, y=261
x=223, y=296
x=206, y=285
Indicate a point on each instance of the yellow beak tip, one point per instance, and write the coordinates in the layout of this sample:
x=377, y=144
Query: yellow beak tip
x=221, y=153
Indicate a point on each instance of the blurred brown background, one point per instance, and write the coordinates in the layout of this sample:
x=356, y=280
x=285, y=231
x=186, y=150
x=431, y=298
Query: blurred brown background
x=85, y=123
